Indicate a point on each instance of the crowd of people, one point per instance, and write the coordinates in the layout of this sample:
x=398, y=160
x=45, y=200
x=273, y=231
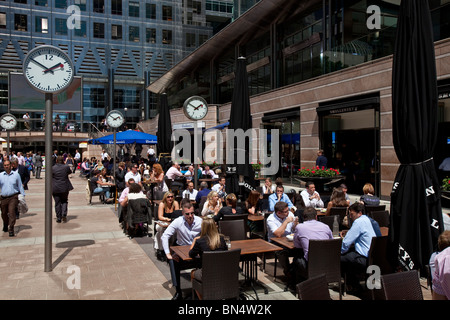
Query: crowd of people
x=192, y=215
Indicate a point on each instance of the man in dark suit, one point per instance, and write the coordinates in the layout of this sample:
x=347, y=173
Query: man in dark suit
x=61, y=188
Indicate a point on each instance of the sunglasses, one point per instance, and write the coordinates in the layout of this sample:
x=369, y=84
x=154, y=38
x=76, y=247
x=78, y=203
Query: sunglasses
x=169, y=196
x=189, y=213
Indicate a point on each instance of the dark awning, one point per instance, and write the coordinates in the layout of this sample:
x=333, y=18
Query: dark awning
x=255, y=21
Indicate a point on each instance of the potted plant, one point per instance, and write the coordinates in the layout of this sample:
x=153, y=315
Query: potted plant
x=446, y=184
x=256, y=167
x=318, y=172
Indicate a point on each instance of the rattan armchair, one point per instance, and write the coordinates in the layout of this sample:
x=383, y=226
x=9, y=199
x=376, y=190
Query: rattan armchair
x=220, y=275
x=315, y=288
x=402, y=286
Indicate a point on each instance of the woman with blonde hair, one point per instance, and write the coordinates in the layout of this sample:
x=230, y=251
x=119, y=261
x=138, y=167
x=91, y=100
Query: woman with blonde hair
x=166, y=211
x=209, y=240
x=212, y=204
x=268, y=187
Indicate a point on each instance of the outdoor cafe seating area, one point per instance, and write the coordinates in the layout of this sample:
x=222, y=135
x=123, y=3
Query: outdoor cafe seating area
x=236, y=274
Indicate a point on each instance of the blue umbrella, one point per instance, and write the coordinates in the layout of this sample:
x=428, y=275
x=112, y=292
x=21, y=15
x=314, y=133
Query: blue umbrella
x=126, y=137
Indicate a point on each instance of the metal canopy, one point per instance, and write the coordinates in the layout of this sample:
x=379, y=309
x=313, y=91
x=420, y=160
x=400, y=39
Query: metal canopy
x=253, y=22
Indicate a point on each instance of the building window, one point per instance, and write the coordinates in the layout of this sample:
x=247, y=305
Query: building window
x=82, y=31
x=60, y=26
x=167, y=13
x=99, y=30
x=134, y=33
x=202, y=39
x=2, y=20
x=150, y=35
x=133, y=9
x=116, y=7
x=150, y=11
x=167, y=36
x=41, y=25
x=61, y=4
x=190, y=40
x=99, y=6
x=20, y=1
x=40, y=3
x=116, y=32
x=81, y=4
x=20, y=22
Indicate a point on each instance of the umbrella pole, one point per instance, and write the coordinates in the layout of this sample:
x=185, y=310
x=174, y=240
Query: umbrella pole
x=195, y=155
x=114, y=169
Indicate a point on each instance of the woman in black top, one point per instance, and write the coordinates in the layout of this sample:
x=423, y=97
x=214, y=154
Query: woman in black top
x=229, y=209
x=209, y=240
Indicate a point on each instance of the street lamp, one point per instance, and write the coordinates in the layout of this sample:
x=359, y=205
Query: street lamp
x=125, y=122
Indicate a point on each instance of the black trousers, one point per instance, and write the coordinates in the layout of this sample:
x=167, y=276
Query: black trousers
x=352, y=265
x=61, y=203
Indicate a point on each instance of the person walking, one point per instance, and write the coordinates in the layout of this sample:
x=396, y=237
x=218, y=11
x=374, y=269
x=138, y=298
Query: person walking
x=11, y=186
x=38, y=165
x=61, y=188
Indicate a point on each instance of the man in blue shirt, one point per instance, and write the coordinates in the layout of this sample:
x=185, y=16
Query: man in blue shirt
x=11, y=186
x=186, y=229
x=278, y=196
x=354, y=261
x=204, y=191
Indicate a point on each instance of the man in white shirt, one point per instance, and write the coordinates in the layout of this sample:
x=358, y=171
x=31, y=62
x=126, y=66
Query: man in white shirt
x=311, y=197
x=189, y=174
x=208, y=172
x=77, y=159
x=190, y=192
x=174, y=171
x=133, y=174
x=280, y=224
x=104, y=155
x=26, y=120
x=220, y=188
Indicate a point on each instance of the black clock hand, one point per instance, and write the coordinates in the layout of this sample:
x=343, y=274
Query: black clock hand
x=58, y=65
x=41, y=65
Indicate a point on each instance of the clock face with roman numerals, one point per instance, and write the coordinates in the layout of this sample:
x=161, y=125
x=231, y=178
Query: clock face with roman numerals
x=48, y=69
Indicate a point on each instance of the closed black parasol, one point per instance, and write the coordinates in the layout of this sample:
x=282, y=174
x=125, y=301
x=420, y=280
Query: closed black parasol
x=416, y=214
x=240, y=118
x=164, y=133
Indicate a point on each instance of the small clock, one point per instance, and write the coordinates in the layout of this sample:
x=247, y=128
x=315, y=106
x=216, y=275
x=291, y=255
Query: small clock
x=48, y=69
x=8, y=121
x=115, y=119
x=195, y=108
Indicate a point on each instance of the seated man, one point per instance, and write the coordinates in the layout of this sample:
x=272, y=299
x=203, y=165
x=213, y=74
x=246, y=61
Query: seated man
x=278, y=196
x=204, y=191
x=311, y=197
x=220, y=188
x=98, y=185
x=190, y=192
x=310, y=229
x=354, y=260
x=280, y=224
x=186, y=229
x=208, y=173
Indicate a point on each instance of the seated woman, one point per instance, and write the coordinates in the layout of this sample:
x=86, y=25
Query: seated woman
x=209, y=240
x=212, y=204
x=337, y=200
x=229, y=209
x=368, y=198
x=99, y=184
x=136, y=209
x=157, y=176
x=254, y=205
x=268, y=187
x=166, y=209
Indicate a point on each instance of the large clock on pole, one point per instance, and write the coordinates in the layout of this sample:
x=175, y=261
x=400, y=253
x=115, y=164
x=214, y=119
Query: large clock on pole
x=48, y=69
x=195, y=108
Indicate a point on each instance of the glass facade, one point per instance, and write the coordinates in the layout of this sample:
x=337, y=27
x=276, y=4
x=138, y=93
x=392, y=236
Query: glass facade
x=123, y=42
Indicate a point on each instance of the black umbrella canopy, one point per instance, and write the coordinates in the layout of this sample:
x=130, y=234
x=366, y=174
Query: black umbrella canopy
x=416, y=214
x=240, y=118
x=164, y=133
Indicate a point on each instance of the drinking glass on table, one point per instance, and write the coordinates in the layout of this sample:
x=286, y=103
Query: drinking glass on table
x=227, y=241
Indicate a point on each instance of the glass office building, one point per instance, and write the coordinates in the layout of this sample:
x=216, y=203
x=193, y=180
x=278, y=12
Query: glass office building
x=118, y=47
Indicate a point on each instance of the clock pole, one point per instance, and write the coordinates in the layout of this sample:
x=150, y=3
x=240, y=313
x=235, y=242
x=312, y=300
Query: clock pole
x=48, y=181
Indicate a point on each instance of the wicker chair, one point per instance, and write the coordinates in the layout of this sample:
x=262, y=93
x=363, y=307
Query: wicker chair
x=341, y=212
x=324, y=257
x=235, y=229
x=315, y=288
x=382, y=217
x=402, y=286
x=328, y=220
x=220, y=272
x=370, y=209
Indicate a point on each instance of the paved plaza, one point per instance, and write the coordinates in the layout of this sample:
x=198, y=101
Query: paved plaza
x=92, y=245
